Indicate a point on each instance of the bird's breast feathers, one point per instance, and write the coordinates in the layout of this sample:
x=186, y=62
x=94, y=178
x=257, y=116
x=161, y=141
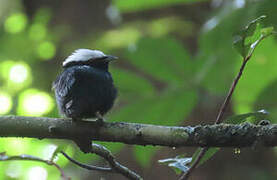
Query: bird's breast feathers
x=85, y=75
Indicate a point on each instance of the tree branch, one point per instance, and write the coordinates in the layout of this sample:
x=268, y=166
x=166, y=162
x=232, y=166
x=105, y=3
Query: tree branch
x=219, y=135
x=107, y=155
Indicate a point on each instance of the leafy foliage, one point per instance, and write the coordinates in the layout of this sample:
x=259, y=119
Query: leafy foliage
x=131, y=6
x=255, y=117
x=173, y=61
x=248, y=39
x=245, y=43
x=169, y=65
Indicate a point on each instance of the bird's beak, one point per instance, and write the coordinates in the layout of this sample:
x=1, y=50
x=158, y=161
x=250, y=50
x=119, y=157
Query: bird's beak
x=111, y=58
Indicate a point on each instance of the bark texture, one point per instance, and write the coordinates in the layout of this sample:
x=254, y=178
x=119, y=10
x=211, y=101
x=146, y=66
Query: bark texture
x=219, y=135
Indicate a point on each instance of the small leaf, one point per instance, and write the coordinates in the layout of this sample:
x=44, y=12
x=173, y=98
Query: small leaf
x=257, y=116
x=131, y=83
x=210, y=153
x=171, y=65
x=267, y=31
x=134, y=6
x=247, y=40
x=178, y=163
x=172, y=107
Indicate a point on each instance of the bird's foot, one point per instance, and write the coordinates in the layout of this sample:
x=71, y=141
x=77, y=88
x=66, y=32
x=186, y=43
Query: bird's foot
x=99, y=119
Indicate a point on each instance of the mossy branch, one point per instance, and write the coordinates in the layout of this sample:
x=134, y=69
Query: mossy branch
x=219, y=135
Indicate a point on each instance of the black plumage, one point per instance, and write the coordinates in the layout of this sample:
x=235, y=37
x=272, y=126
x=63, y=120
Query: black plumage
x=85, y=88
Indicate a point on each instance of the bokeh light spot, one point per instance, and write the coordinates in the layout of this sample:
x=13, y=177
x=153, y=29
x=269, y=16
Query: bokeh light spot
x=15, y=23
x=34, y=102
x=119, y=38
x=5, y=103
x=48, y=151
x=15, y=145
x=43, y=15
x=37, y=32
x=46, y=50
x=36, y=173
x=5, y=67
x=19, y=73
x=14, y=170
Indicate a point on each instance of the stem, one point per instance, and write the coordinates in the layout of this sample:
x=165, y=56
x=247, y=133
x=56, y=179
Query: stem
x=193, y=166
x=218, y=118
x=85, y=166
x=116, y=166
x=229, y=95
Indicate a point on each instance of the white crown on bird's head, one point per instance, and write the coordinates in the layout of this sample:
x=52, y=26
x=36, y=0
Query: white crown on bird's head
x=80, y=55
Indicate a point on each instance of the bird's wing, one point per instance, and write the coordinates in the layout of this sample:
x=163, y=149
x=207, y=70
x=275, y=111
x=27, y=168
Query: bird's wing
x=63, y=84
x=72, y=78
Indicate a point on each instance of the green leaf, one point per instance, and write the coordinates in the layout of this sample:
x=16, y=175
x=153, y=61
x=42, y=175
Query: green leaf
x=169, y=108
x=217, y=60
x=256, y=116
x=267, y=7
x=179, y=106
x=265, y=100
x=131, y=6
x=178, y=163
x=247, y=40
x=165, y=59
x=131, y=83
x=258, y=76
x=209, y=154
x=265, y=97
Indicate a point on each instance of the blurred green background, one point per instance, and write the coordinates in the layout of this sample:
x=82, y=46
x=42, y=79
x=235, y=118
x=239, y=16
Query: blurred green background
x=176, y=65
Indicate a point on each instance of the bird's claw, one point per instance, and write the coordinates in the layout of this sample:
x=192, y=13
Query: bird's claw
x=99, y=119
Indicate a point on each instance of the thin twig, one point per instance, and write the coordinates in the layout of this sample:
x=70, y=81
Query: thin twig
x=85, y=166
x=218, y=118
x=115, y=167
x=4, y=157
x=230, y=93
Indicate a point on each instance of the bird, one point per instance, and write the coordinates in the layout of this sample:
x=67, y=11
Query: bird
x=85, y=88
